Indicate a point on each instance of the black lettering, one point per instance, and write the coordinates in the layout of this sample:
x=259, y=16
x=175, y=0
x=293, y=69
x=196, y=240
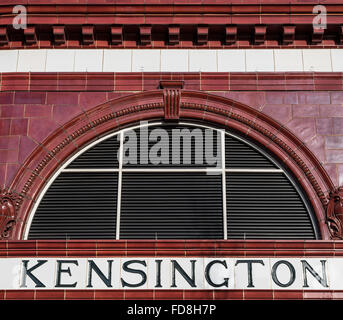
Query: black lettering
x=208, y=278
x=93, y=266
x=158, y=273
x=291, y=270
x=190, y=280
x=60, y=271
x=321, y=280
x=249, y=264
x=28, y=272
x=140, y=272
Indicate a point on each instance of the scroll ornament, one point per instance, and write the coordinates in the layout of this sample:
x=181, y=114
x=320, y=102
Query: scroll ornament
x=7, y=212
x=334, y=213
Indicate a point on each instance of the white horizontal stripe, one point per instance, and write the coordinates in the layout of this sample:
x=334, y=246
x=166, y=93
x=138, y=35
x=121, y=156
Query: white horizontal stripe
x=89, y=170
x=159, y=169
x=255, y=170
x=171, y=60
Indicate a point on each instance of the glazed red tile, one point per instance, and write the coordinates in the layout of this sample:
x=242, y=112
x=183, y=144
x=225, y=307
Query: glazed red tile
x=12, y=111
x=19, y=127
x=258, y=295
x=336, y=97
x=9, y=156
x=63, y=113
x=79, y=295
x=301, y=111
x=20, y=295
x=30, y=97
x=109, y=294
x=168, y=295
x=26, y=147
x=63, y=98
x=43, y=81
x=318, y=295
x=50, y=295
x=39, y=129
x=72, y=81
x=200, y=253
x=7, y=97
x=92, y=99
x=11, y=172
x=5, y=125
x=288, y=295
x=200, y=244
x=228, y=294
x=140, y=244
x=14, y=81
x=324, y=126
x=38, y=110
x=198, y=294
x=139, y=294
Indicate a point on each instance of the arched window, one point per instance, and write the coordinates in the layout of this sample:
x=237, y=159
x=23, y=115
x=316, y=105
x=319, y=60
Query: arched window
x=172, y=181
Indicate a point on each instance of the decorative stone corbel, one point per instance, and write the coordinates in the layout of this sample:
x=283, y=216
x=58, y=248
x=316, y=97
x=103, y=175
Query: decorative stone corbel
x=334, y=213
x=7, y=212
x=171, y=98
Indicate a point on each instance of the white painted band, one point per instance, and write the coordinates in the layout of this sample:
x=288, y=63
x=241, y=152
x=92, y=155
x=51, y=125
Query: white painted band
x=171, y=60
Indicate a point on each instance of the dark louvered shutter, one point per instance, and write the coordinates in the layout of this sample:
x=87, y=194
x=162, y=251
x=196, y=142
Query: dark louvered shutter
x=265, y=206
x=78, y=206
x=182, y=200
x=241, y=155
x=171, y=206
x=102, y=155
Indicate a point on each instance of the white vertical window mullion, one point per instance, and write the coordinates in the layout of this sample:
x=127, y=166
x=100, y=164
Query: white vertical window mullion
x=120, y=171
x=222, y=132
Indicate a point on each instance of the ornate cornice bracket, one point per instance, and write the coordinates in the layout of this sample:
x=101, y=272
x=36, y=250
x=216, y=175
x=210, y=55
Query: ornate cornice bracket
x=334, y=213
x=7, y=212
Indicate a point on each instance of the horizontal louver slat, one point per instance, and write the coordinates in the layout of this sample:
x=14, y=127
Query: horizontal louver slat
x=175, y=206
x=73, y=209
x=263, y=209
x=102, y=156
x=241, y=155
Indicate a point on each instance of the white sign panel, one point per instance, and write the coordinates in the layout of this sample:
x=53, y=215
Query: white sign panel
x=171, y=273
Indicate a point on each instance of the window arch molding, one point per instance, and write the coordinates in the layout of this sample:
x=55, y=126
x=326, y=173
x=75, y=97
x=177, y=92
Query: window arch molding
x=153, y=105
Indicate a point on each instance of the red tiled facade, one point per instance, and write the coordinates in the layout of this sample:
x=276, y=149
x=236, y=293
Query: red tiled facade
x=42, y=113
